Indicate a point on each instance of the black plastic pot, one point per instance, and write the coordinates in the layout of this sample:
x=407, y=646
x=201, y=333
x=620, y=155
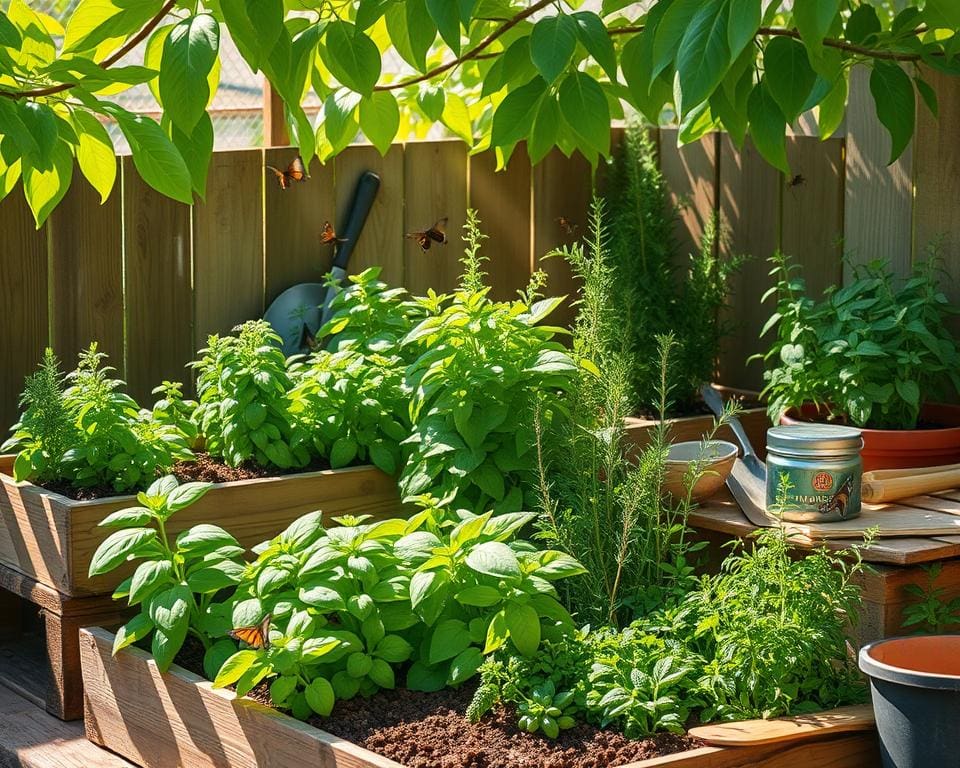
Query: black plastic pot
x=915, y=685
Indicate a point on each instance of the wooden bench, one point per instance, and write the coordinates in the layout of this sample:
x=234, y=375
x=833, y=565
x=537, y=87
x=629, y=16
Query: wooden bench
x=894, y=562
x=41, y=659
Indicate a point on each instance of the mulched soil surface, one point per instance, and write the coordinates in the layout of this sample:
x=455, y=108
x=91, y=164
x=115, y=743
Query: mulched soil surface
x=204, y=469
x=429, y=730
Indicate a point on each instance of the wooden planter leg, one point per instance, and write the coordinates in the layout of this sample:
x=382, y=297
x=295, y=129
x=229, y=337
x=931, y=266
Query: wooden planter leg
x=65, y=690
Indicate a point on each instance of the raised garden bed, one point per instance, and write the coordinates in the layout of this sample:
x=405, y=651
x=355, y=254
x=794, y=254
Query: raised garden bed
x=177, y=719
x=51, y=538
x=683, y=428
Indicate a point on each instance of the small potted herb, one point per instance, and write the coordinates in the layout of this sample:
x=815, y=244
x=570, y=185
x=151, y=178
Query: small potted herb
x=876, y=354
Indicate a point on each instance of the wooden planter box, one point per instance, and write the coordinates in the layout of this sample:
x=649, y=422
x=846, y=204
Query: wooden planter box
x=177, y=719
x=52, y=538
x=754, y=420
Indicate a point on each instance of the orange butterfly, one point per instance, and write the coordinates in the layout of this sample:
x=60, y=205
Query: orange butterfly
x=566, y=225
x=296, y=171
x=329, y=235
x=257, y=636
x=436, y=234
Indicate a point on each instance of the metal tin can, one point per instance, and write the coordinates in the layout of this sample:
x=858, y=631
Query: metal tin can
x=822, y=468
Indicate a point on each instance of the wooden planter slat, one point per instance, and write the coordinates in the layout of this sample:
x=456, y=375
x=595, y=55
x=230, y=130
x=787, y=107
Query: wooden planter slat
x=52, y=538
x=178, y=719
x=754, y=420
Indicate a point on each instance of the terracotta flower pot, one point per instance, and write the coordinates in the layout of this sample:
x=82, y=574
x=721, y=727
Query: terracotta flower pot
x=903, y=448
x=915, y=687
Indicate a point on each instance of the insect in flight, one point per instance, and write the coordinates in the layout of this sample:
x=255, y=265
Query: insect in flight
x=797, y=181
x=436, y=234
x=296, y=171
x=566, y=225
x=257, y=636
x=329, y=235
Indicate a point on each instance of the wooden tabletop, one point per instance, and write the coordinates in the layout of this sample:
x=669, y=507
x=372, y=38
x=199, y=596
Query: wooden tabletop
x=723, y=515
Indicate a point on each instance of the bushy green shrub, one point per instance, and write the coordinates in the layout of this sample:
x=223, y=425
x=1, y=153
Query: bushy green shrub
x=242, y=386
x=871, y=353
x=481, y=370
x=656, y=289
x=85, y=430
x=342, y=610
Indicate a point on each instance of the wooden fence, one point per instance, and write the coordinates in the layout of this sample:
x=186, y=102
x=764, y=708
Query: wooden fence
x=149, y=278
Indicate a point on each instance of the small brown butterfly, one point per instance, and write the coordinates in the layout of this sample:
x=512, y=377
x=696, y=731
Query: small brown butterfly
x=796, y=181
x=329, y=235
x=436, y=234
x=296, y=171
x=257, y=636
x=566, y=225
x=308, y=340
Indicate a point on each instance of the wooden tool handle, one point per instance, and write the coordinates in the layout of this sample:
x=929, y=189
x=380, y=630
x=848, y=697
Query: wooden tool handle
x=874, y=491
x=889, y=474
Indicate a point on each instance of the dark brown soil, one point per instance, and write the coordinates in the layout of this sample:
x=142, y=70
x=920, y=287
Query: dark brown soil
x=203, y=469
x=429, y=730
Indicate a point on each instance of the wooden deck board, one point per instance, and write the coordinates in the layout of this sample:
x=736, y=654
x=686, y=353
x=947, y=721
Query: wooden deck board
x=31, y=738
x=722, y=514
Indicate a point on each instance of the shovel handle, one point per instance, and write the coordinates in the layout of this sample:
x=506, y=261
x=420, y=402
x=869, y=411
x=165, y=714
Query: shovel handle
x=875, y=491
x=715, y=403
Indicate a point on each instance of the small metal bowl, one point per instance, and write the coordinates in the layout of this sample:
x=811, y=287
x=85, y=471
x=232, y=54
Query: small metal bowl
x=718, y=457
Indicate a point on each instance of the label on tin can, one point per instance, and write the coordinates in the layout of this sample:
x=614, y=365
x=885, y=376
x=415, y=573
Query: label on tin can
x=824, y=494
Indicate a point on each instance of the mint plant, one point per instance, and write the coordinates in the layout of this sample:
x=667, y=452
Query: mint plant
x=242, y=383
x=349, y=407
x=481, y=369
x=871, y=353
x=177, y=580
x=353, y=605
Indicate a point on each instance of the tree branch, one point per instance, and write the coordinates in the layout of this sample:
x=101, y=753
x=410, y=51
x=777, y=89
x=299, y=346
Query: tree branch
x=473, y=53
x=132, y=43
x=828, y=42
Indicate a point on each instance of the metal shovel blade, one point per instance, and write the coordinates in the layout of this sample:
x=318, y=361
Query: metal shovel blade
x=748, y=484
x=295, y=313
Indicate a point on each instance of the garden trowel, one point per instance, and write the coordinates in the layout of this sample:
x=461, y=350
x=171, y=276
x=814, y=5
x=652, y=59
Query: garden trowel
x=299, y=312
x=748, y=478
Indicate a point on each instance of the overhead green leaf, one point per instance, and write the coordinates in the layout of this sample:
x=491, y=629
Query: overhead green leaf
x=893, y=95
x=585, y=109
x=552, y=43
x=352, y=57
x=593, y=34
x=379, y=121
x=813, y=21
x=155, y=156
x=788, y=75
x=95, y=153
x=743, y=24
x=189, y=53
x=704, y=54
x=446, y=15
x=516, y=112
x=767, y=127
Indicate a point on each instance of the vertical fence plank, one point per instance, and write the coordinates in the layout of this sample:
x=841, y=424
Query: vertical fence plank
x=293, y=220
x=86, y=264
x=157, y=286
x=562, y=187
x=877, y=199
x=937, y=176
x=813, y=210
x=23, y=296
x=435, y=185
x=690, y=172
x=381, y=242
x=502, y=200
x=228, y=244
x=749, y=205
